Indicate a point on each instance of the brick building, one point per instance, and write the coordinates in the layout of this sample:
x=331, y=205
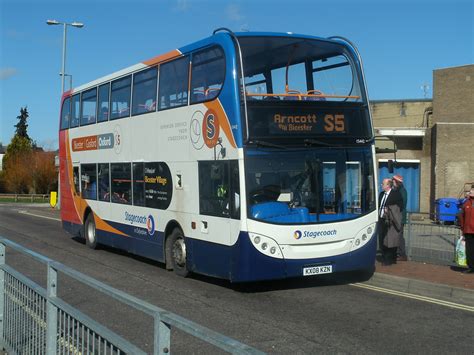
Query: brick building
x=434, y=138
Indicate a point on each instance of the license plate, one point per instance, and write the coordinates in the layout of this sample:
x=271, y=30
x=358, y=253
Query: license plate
x=317, y=270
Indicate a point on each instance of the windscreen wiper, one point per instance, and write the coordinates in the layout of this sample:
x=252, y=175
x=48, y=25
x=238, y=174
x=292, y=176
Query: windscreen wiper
x=311, y=141
x=268, y=144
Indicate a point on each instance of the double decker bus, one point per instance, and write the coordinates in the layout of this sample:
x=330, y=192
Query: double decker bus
x=243, y=156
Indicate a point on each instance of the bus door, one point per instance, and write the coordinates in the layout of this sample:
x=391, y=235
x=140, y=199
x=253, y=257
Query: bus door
x=219, y=213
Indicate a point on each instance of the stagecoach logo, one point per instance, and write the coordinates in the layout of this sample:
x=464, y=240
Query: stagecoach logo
x=118, y=138
x=196, y=131
x=148, y=222
x=210, y=128
x=314, y=234
x=150, y=225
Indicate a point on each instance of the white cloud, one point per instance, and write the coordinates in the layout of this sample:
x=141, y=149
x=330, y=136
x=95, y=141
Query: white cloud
x=6, y=73
x=182, y=5
x=233, y=12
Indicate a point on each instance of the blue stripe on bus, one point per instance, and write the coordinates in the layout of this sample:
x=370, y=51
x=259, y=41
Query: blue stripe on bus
x=240, y=262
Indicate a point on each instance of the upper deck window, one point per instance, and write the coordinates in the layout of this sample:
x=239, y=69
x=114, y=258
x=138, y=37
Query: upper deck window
x=103, y=105
x=76, y=110
x=120, y=97
x=66, y=113
x=207, y=75
x=144, y=91
x=88, y=104
x=173, y=89
x=297, y=69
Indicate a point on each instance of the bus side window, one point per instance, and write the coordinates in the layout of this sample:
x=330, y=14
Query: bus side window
x=75, y=178
x=76, y=110
x=144, y=91
x=89, y=181
x=120, y=97
x=234, y=190
x=214, y=189
x=121, y=183
x=88, y=106
x=104, y=182
x=208, y=73
x=173, y=88
x=103, y=106
x=138, y=185
x=66, y=113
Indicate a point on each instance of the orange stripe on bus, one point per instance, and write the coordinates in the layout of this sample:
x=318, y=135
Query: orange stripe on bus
x=162, y=57
x=223, y=120
x=104, y=226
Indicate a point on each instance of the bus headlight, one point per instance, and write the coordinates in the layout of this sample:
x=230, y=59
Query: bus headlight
x=266, y=245
x=363, y=236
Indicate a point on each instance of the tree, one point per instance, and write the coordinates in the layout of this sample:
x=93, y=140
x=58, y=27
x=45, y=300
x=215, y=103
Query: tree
x=19, y=146
x=18, y=173
x=22, y=126
x=45, y=176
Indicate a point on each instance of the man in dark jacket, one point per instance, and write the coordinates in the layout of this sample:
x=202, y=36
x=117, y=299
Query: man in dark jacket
x=387, y=197
x=467, y=225
x=398, y=185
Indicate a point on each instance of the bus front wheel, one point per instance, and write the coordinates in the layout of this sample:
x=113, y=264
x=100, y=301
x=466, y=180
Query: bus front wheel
x=176, y=250
x=90, y=232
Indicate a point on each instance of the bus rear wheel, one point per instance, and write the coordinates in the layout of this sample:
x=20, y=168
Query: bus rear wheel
x=176, y=250
x=90, y=231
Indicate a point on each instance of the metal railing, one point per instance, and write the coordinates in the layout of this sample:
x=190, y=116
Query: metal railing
x=33, y=320
x=429, y=240
x=25, y=197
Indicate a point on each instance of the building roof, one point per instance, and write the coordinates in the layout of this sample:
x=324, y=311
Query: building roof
x=399, y=100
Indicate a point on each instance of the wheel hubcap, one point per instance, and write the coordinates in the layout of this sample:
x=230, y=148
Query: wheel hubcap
x=179, y=252
x=91, y=232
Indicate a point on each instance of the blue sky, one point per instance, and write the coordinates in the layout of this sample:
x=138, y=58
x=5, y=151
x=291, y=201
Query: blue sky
x=401, y=42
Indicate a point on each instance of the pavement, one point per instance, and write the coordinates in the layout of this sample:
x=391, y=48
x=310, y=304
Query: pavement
x=444, y=282
x=448, y=283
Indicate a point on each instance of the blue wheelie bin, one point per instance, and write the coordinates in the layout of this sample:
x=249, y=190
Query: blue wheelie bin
x=446, y=209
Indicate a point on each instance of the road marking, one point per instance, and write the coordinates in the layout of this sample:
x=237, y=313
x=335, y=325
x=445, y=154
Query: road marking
x=416, y=297
x=38, y=215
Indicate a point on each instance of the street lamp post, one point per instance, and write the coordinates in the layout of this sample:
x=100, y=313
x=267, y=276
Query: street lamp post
x=65, y=24
x=63, y=75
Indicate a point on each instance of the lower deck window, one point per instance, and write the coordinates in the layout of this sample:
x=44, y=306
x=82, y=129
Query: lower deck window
x=89, y=181
x=121, y=183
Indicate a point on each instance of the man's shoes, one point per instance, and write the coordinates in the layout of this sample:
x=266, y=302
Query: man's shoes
x=468, y=271
x=402, y=258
